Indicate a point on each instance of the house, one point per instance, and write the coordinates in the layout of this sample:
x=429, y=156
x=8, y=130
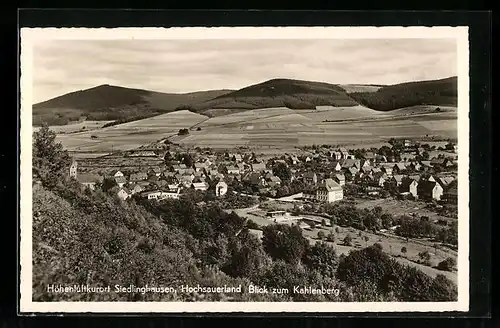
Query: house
x=73, y=169
x=257, y=167
x=426, y=165
x=336, y=155
x=415, y=166
x=139, y=176
x=380, y=159
x=89, y=180
x=387, y=169
x=294, y=160
x=220, y=188
x=256, y=180
x=455, y=149
x=329, y=191
x=407, y=143
x=429, y=190
x=399, y=179
x=339, y=178
x=399, y=168
x=151, y=194
x=379, y=178
x=344, y=153
x=201, y=186
x=450, y=195
x=237, y=157
x=135, y=188
x=232, y=169
x=370, y=156
x=413, y=188
x=275, y=180
x=169, y=195
x=365, y=163
x=439, y=162
x=353, y=171
x=336, y=166
x=348, y=163
x=117, y=174
x=445, y=181
x=311, y=177
x=123, y=194
x=406, y=157
x=120, y=180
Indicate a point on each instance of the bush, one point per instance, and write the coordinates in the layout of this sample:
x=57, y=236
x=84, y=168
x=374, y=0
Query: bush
x=252, y=225
x=447, y=264
x=321, y=235
x=330, y=237
x=403, y=250
x=348, y=240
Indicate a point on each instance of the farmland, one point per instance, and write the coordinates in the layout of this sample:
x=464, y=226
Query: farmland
x=276, y=128
x=130, y=135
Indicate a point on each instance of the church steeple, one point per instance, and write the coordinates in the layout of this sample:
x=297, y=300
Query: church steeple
x=73, y=169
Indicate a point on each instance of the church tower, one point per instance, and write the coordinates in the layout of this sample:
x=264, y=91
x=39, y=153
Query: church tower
x=72, y=169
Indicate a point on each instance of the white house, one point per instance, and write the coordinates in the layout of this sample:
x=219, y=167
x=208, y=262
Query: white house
x=221, y=188
x=123, y=194
x=202, y=186
x=329, y=191
x=413, y=188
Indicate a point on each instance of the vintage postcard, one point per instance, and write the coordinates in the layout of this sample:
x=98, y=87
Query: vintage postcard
x=252, y=169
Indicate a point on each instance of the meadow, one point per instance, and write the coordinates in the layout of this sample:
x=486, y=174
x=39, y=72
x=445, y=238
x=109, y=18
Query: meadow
x=276, y=128
x=130, y=135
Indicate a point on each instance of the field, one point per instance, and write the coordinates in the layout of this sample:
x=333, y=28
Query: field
x=359, y=88
x=282, y=127
x=271, y=128
x=77, y=127
x=130, y=135
x=401, y=207
x=391, y=244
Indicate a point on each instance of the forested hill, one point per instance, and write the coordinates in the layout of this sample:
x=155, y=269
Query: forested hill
x=294, y=94
x=435, y=92
x=92, y=237
x=109, y=102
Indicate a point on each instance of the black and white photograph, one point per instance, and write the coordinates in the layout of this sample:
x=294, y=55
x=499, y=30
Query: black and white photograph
x=253, y=169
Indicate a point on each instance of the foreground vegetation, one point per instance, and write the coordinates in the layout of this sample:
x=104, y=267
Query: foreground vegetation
x=92, y=237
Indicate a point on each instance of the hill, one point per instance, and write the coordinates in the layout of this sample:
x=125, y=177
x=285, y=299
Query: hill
x=113, y=103
x=293, y=94
x=441, y=92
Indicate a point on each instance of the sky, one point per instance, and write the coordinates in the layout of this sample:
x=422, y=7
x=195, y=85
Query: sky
x=180, y=66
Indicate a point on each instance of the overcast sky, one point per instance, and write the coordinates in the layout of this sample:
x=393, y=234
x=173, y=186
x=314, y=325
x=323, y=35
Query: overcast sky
x=179, y=66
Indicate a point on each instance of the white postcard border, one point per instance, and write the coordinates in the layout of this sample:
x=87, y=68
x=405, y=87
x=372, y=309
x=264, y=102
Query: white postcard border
x=29, y=36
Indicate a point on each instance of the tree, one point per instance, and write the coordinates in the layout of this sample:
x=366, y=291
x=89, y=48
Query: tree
x=50, y=160
x=348, y=240
x=183, y=132
x=252, y=225
x=447, y=265
x=323, y=222
x=425, y=257
x=425, y=155
x=321, y=257
x=366, y=238
x=108, y=183
x=284, y=242
x=321, y=235
x=330, y=237
x=403, y=250
x=282, y=171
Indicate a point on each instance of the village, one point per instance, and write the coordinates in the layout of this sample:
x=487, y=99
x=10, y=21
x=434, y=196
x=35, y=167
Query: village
x=319, y=174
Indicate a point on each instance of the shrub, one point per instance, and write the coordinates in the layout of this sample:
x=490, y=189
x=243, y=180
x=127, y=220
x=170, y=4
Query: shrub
x=403, y=250
x=321, y=235
x=447, y=264
x=348, y=240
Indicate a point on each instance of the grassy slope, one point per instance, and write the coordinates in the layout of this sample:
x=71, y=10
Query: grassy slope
x=434, y=92
x=107, y=102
